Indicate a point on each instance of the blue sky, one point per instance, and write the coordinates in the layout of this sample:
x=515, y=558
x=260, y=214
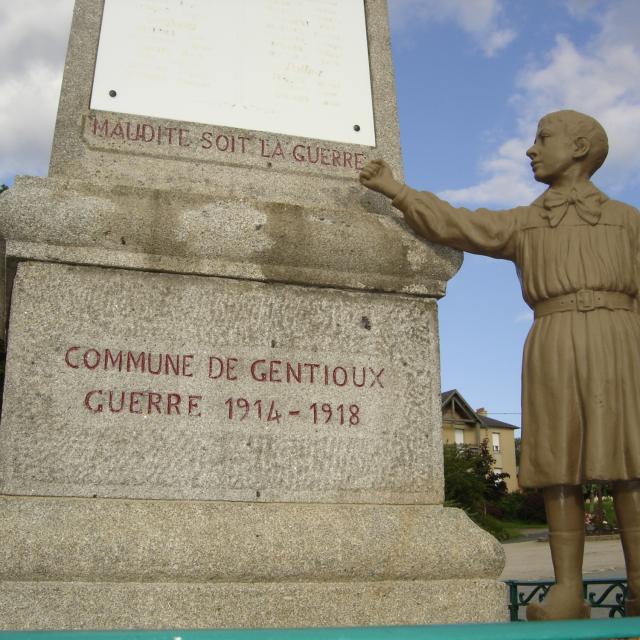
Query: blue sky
x=473, y=77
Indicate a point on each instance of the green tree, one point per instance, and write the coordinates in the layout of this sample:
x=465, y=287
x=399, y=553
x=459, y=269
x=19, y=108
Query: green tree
x=471, y=484
x=462, y=486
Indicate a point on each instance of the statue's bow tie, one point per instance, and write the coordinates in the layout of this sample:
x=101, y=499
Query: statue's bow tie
x=587, y=203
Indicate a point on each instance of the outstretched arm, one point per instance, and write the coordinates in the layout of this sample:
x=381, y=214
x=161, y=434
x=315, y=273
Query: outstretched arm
x=485, y=232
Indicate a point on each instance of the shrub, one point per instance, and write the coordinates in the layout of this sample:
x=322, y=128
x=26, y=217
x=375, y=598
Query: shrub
x=471, y=484
x=493, y=526
x=524, y=506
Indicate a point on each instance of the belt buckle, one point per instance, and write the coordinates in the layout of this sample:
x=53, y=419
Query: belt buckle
x=584, y=300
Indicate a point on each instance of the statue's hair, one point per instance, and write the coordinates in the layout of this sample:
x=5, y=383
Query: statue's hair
x=580, y=125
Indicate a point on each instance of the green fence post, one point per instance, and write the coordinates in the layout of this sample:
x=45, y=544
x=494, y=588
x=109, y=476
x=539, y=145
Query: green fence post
x=513, y=600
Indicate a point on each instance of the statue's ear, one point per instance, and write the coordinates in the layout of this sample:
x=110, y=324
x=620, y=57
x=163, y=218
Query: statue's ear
x=581, y=147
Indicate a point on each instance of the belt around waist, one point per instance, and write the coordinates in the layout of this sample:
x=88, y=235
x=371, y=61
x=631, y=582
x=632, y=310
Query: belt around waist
x=584, y=300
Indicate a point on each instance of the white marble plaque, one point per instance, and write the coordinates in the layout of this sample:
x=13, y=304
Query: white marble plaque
x=295, y=67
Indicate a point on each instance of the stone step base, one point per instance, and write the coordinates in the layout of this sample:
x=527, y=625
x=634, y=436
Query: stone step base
x=165, y=541
x=174, y=605
x=78, y=563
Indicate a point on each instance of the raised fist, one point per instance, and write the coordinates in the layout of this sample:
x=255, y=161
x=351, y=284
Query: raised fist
x=377, y=176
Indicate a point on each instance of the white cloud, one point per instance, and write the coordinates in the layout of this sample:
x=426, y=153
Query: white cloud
x=482, y=19
x=508, y=181
x=619, y=22
x=33, y=41
x=581, y=8
x=602, y=82
x=524, y=317
x=600, y=79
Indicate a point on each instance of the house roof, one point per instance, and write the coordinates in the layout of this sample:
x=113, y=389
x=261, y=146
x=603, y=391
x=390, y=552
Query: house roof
x=455, y=396
x=495, y=424
x=445, y=395
x=485, y=421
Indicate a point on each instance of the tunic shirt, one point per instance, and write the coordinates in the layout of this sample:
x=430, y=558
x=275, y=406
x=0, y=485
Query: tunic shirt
x=581, y=369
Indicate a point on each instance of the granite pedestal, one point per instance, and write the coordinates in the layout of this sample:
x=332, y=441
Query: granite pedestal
x=222, y=402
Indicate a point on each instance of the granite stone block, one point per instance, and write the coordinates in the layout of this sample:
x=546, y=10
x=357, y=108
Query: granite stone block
x=66, y=539
x=325, y=243
x=131, y=384
x=174, y=605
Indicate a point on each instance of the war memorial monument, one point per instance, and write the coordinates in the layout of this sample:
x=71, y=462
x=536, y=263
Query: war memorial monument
x=222, y=397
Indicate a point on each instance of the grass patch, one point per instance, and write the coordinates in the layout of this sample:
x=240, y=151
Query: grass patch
x=515, y=529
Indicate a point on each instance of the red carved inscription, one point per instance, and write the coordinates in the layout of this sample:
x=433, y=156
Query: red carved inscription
x=142, y=402
x=225, y=142
x=218, y=369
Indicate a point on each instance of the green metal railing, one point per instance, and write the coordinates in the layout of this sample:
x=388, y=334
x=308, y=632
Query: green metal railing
x=565, y=630
x=600, y=594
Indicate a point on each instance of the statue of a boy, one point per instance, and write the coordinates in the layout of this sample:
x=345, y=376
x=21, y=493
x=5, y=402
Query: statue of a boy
x=577, y=254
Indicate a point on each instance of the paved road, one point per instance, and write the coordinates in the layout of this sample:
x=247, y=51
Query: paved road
x=531, y=560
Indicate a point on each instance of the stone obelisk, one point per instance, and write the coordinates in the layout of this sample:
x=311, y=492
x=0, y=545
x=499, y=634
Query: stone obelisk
x=222, y=386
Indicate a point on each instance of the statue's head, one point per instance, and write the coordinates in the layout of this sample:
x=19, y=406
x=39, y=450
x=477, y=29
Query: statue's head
x=567, y=141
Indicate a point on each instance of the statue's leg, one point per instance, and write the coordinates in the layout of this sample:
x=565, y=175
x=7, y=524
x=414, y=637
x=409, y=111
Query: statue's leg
x=565, y=515
x=626, y=499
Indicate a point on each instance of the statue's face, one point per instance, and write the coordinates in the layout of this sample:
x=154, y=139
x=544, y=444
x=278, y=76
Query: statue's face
x=552, y=152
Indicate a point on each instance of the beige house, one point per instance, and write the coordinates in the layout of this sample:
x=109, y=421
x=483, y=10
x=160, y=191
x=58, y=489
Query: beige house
x=464, y=426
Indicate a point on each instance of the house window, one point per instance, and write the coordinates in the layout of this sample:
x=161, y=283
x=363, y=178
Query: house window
x=495, y=441
x=459, y=436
